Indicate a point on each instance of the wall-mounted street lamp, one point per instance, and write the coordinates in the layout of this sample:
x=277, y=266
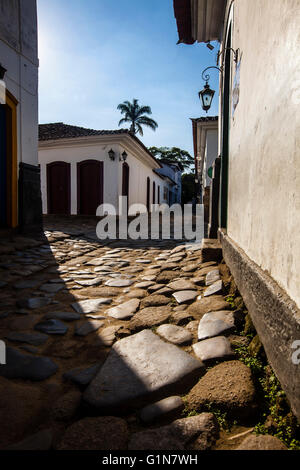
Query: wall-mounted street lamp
x=124, y=156
x=111, y=155
x=206, y=95
x=2, y=72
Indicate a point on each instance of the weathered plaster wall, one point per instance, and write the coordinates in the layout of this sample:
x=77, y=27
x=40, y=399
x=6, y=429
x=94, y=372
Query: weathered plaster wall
x=264, y=157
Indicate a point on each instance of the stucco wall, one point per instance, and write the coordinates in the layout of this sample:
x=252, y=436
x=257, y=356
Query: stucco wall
x=264, y=157
x=112, y=172
x=18, y=54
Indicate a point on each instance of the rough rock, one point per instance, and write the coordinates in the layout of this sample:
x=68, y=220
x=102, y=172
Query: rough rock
x=105, y=291
x=139, y=368
x=119, y=283
x=103, y=433
x=65, y=316
x=36, y=339
x=182, y=284
x=33, y=303
x=82, y=376
x=88, y=327
x=163, y=408
x=213, y=289
x=185, y=296
x=215, y=324
x=52, y=288
x=136, y=294
x=181, y=318
x=175, y=334
x=217, y=348
x=212, y=276
x=166, y=276
x=149, y=317
x=228, y=386
x=91, y=305
x=89, y=282
x=125, y=310
x=208, y=304
x=107, y=336
x=66, y=406
x=261, y=442
x=154, y=301
x=52, y=327
x=196, y=433
x=24, y=366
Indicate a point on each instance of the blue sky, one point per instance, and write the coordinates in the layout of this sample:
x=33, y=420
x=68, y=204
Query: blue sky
x=95, y=54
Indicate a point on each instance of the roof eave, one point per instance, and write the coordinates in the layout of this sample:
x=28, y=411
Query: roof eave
x=199, y=20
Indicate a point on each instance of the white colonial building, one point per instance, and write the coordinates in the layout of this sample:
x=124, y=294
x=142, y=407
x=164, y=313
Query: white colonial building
x=20, y=201
x=83, y=168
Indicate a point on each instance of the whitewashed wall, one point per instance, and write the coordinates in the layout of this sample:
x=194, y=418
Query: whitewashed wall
x=112, y=172
x=264, y=164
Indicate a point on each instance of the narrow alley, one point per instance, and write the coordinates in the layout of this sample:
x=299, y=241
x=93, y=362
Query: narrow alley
x=97, y=333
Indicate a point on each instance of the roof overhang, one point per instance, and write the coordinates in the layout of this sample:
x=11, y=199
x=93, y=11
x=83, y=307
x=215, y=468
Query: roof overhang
x=130, y=143
x=199, y=20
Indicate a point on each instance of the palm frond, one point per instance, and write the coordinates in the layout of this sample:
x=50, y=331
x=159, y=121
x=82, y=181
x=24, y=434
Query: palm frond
x=123, y=120
x=139, y=129
x=148, y=122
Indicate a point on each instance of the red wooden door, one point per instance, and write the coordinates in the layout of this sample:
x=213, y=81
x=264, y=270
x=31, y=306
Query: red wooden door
x=58, y=187
x=148, y=194
x=125, y=182
x=89, y=186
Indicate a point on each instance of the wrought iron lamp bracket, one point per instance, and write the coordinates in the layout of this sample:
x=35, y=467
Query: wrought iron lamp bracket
x=206, y=77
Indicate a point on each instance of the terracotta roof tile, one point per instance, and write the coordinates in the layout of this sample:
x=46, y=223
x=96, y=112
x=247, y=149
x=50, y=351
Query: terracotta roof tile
x=59, y=130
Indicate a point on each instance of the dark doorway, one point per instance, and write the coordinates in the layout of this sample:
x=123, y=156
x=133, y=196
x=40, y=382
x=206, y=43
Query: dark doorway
x=125, y=182
x=3, y=168
x=148, y=194
x=89, y=186
x=58, y=187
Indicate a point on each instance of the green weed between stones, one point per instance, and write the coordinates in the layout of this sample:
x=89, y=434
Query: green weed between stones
x=276, y=418
x=224, y=422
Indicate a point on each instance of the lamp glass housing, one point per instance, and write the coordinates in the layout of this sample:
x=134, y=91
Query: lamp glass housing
x=124, y=156
x=206, y=96
x=111, y=154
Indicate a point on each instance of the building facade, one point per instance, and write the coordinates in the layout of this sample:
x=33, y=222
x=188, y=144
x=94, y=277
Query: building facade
x=83, y=168
x=20, y=198
x=172, y=171
x=259, y=174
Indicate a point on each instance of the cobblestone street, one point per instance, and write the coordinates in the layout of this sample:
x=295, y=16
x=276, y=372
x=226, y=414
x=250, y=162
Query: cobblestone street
x=97, y=332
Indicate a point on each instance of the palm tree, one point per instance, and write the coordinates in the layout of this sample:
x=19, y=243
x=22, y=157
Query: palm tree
x=135, y=114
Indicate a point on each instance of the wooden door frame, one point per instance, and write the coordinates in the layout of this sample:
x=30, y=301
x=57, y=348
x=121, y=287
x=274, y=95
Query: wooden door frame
x=100, y=186
x=48, y=167
x=12, y=160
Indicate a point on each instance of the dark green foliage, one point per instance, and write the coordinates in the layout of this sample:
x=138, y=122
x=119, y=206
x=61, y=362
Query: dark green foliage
x=135, y=115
